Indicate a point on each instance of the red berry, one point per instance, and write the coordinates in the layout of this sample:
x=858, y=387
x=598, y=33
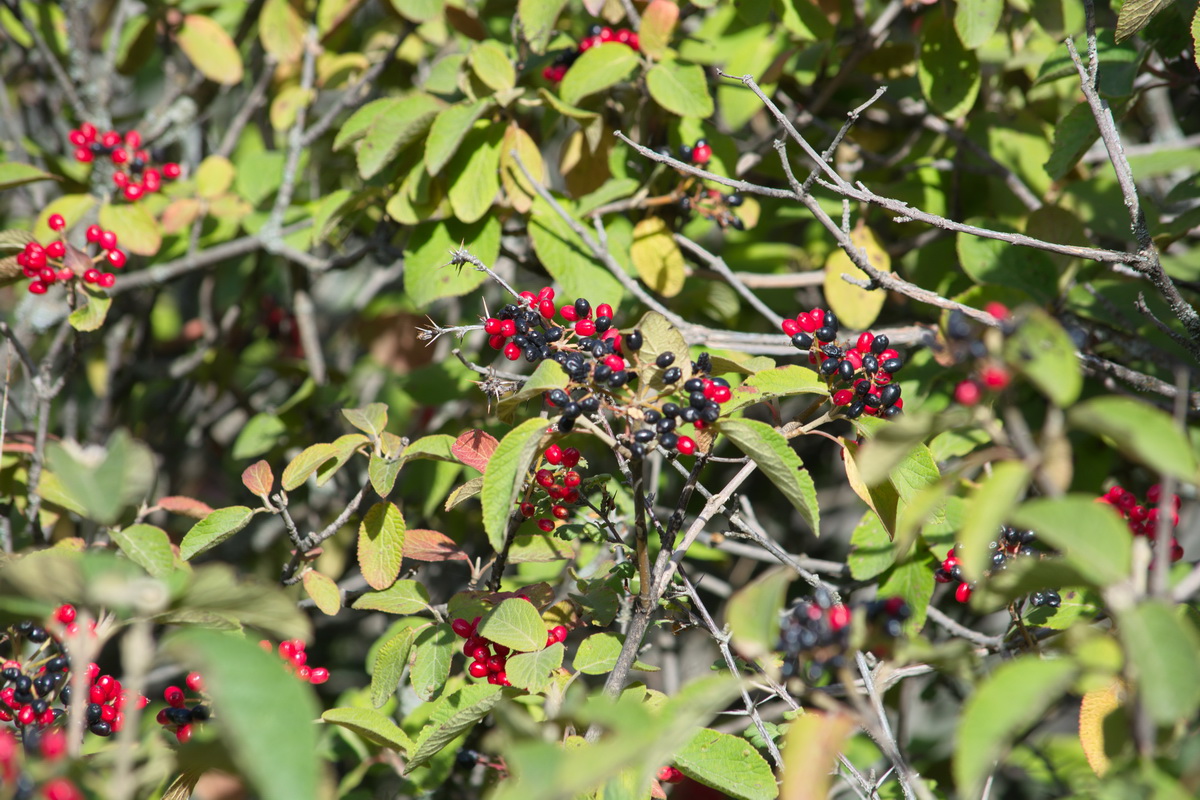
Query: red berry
x=839, y=617
x=843, y=398
x=183, y=734
x=790, y=327
x=585, y=327
x=110, y=139
x=604, y=310
x=37, y=287
x=174, y=696
x=26, y=715
x=152, y=180
x=84, y=155
x=478, y=669
x=528, y=509
x=997, y=310
x=120, y=179
x=995, y=377
x=491, y=326
x=171, y=170
x=108, y=240
x=48, y=275
x=570, y=457
x=968, y=393
x=116, y=258
x=94, y=232
x=530, y=296
x=546, y=525
x=670, y=775
x=508, y=327
x=61, y=789
x=864, y=341
x=133, y=191
x=511, y=351
x=568, y=312
x=560, y=512
x=572, y=479
x=614, y=361
x=318, y=676
x=65, y=613
x=194, y=681
x=495, y=664
x=807, y=323
x=496, y=342
x=106, y=280
x=554, y=454
x=56, y=222
x=721, y=394
x=91, y=276
x=818, y=316
x=119, y=155
x=462, y=628
x=633, y=41
x=544, y=478
x=77, y=138
x=56, y=249
x=133, y=140
x=559, y=632
x=546, y=308
x=686, y=445
x=545, y=293
x=963, y=593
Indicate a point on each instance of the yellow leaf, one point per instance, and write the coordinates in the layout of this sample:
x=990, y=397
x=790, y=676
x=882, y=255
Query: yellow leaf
x=656, y=257
x=287, y=104
x=210, y=49
x=323, y=591
x=1094, y=709
x=281, y=30
x=856, y=307
x=214, y=176
x=516, y=186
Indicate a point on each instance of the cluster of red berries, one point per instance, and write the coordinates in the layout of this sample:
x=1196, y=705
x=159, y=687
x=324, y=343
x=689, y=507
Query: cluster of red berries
x=597, y=36
x=51, y=745
x=488, y=659
x=295, y=658
x=36, y=675
x=1012, y=543
x=181, y=711
x=61, y=261
x=988, y=374
x=514, y=329
x=126, y=154
x=1143, y=519
x=817, y=632
x=560, y=485
x=866, y=367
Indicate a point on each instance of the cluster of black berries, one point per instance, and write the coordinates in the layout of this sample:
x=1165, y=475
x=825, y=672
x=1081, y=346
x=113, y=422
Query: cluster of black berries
x=716, y=206
x=597, y=36
x=815, y=634
x=1012, y=543
x=868, y=365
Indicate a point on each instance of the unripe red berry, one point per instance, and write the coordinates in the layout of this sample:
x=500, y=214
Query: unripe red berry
x=174, y=696
x=61, y=789
x=568, y=312
x=864, y=341
x=65, y=613
x=670, y=775
x=963, y=593
x=56, y=222
x=119, y=155
x=106, y=280
x=110, y=139
x=183, y=734
x=491, y=326
x=77, y=138
x=133, y=140
x=560, y=512
x=56, y=249
x=997, y=310
x=545, y=307
x=497, y=342
x=84, y=155
x=478, y=669
x=559, y=632
x=528, y=509
x=686, y=445
x=194, y=682
x=721, y=394
x=116, y=258
x=585, y=327
x=120, y=179
x=843, y=398
x=545, y=293
x=511, y=351
x=108, y=240
x=790, y=327
x=967, y=393
x=570, y=457
x=152, y=180
x=546, y=525
x=133, y=192
x=554, y=454
x=508, y=327
x=995, y=377
x=91, y=276
x=807, y=323
x=604, y=310
x=171, y=170
x=318, y=676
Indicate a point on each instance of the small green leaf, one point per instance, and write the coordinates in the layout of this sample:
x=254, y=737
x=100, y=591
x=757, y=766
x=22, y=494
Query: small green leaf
x=371, y=420
x=1140, y=431
x=681, y=89
x=390, y=662
x=305, y=464
x=136, y=230
x=383, y=471
x=1164, y=652
x=323, y=591
x=492, y=65
x=371, y=725
x=660, y=336
x=92, y=314
x=596, y=70
x=210, y=49
x=356, y=127
x=948, y=72
x=532, y=671
x=214, y=529
x=452, y=715
x=147, y=546
x=1091, y=536
x=431, y=665
x=1044, y=353
x=447, y=132
x=15, y=173
x=516, y=624
x=393, y=127
x=260, y=433
x=402, y=597
x=992, y=720
x=475, y=172
x=597, y=654
x=1136, y=14
x=768, y=384
x=753, y=612
x=871, y=548
x=214, y=176
x=537, y=18
x=381, y=544
x=977, y=20
x=1073, y=136
x=505, y=476
x=779, y=462
x=729, y=764
x=343, y=449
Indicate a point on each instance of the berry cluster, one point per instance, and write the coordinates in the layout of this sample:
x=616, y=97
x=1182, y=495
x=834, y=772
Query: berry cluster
x=988, y=374
x=699, y=153
x=818, y=631
x=61, y=261
x=36, y=675
x=296, y=660
x=181, y=712
x=866, y=367
x=1143, y=518
x=1013, y=543
x=126, y=154
x=597, y=36
x=714, y=205
x=488, y=659
x=560, y=485
x=51, y=746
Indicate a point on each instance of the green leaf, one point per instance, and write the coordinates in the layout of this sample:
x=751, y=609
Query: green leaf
x=1043, y=352
x=136, y=230
x=914, y=582
x=260, y=433
x=383, y=471
x=447, y=132
x=597, y=654
x=727, y=763
x=656, y=257
x=1073, y=136
x=992, y=720
x=986, y=510
x=1164, y=652
x=281, y=30
x=1092, y=536
x=1135, y=15
x=214, y=529
x=532, y=671
x=452, y=715
x=493, y=66
x=768, y=384
x=371, y=725
x=505, y=477
x=431, y=665
x=15, y=173
x=568, y=259
x=390, y=661
x=305, y=464
x=976, y=21
x=548, y=375
x=392, y=128
x=871, y=548
x=402, y=597
x=514, y=623
x=658, y=23
x=537, y=18
x=323, y=591
x=475, y=172
x=343, y=449
x=92, y=314
x=681, y=89
x=214, y=176
x=266, y=719
x=596, y=70
x=418, y=11
x=948, y=72
x=1140, y=431
x=660, y=336
x=753, y=612
x=371, y=420
x=779, y=462
x=210, y=49
x=381, y=544
x=102, y=483
x=990, y=261
x=356, y=127
x=428, y=275
x=437, y=447
x=147, y=546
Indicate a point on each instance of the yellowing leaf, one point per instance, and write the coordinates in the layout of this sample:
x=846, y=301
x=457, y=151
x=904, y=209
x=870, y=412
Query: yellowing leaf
x=323, y=591
x=210, y=49
x=518, y=188
x=856, y=307
x=656, y=257
x=1094, y=709
x=136, y=230
x=658, y=22
x=214, y=176
x=281, y=30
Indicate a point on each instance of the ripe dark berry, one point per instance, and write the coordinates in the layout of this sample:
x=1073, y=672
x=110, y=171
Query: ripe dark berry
x=802, y=341
x=665, y=360
x=825, y=334
x=892, y=365
x=829, y=366
x=632, y=341
x=845, y=370
x=582, y=308
x=880, y=344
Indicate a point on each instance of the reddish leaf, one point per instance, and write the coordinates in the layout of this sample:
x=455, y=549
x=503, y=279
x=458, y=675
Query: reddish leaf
x=187, y=506
x=425, y=545
x=474, y=448
x=258, y=478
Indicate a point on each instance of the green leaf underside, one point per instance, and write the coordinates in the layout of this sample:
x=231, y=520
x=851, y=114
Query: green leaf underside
x=727, y=763
x=452, y=715
x=516, y=624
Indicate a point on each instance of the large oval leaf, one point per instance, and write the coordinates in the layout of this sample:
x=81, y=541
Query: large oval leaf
x=381, y=544
x=1140, y=431
x=214, y=529
x=505, y=475
x=779, y=462
x=210, y=49
x=514, y=623
x=596, y=70
x=727, y=763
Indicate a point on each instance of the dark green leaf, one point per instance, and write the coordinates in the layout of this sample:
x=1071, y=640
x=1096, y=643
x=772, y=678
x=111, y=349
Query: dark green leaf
x=680, y=88
x=431, y=665
x=1140, y=431
x=147, y=546
x=1092, y=537
x=596, y=70
x=371, y=725
x=390, y=662
x=1043, y=352
x=779, y=462
x=1165, y=653
x=948, y=72
x=452, y=715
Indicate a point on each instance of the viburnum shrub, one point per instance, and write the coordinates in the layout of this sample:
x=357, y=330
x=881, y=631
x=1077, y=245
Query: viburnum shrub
x=543, y=399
